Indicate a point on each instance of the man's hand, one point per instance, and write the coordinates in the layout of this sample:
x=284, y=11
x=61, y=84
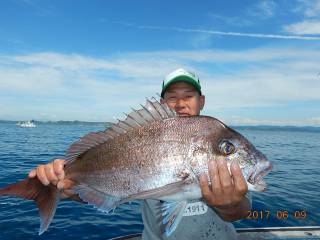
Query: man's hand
x=53, y=173
x=227, y=191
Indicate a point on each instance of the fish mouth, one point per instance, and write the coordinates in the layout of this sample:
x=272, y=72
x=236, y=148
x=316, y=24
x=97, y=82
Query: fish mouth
x=256, y=177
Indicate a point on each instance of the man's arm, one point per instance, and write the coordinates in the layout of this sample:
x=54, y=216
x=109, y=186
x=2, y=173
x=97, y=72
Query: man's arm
x=226, y=194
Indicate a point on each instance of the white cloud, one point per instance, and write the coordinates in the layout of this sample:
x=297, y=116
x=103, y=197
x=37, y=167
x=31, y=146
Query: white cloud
x=71, y=86
x=305, y=27
x=263, y=9
x=234, y=34
x=201, y=40
x=308, y=8
x=254, y=55
x=310, y=23
x=132, y=68
x=230, y=20
x=36, y=80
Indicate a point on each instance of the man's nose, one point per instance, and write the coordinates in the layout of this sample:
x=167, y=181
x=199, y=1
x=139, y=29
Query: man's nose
x=180, y=103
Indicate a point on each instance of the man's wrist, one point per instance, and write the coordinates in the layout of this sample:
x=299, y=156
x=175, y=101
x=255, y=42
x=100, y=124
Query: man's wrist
x=230, y=210
x=235, y=212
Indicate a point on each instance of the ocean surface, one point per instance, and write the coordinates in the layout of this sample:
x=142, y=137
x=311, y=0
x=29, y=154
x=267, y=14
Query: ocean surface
x=292, y=198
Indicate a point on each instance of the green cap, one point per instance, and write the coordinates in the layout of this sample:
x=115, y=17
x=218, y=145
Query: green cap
x=181, y=75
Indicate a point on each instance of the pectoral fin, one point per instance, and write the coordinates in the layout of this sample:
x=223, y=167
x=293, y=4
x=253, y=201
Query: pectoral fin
x=172, y=213
x=98, y=199
x=157, y=193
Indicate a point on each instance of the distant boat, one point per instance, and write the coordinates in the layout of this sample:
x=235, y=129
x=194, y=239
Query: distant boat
x=28, y=124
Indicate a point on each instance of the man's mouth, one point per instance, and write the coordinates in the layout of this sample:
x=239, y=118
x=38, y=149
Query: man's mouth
x=183, y=114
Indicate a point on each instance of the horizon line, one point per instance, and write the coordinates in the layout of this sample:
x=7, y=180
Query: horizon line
x=236, y=125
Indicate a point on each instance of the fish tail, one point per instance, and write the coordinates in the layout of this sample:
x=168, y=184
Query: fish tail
x=46, y=197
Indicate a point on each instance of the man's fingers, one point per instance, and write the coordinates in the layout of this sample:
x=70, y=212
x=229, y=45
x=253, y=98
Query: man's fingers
x=240, y=184
x=41, y=174
x=50, y=174
x=65, y=184
x=214, y=177
x=204, y=185
x=225, y=178
x=32, y=173
x=68, y=184
x=58, y=166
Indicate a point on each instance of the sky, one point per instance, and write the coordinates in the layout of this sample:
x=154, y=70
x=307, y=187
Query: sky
x=258, y=61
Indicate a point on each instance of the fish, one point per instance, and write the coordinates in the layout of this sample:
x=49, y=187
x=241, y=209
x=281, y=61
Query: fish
x=152, y=154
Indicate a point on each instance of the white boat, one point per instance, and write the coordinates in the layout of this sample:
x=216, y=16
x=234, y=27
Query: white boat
x=28, y=124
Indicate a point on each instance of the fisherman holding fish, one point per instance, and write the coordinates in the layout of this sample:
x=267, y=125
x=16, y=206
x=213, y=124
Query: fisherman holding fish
x=224, y=201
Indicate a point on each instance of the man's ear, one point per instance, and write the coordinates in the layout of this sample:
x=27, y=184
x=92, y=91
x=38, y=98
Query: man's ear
x=202, y=101
x=162, y=101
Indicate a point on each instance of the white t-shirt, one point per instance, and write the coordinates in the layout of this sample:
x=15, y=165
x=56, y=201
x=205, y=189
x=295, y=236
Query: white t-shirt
x=199, y=222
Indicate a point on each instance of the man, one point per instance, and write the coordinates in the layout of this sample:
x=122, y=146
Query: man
x=181, y=91
x=225, y=199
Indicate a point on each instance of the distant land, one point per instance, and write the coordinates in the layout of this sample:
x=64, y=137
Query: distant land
x=58, y=122
x=243, y=127
x=276, y=128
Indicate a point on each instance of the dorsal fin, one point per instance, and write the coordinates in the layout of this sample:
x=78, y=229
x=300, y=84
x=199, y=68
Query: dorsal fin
x=152, y=111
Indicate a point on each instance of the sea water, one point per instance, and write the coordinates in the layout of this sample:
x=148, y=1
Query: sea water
x=292, y=198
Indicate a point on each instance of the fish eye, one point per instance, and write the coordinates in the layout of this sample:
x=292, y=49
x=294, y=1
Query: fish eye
x=226, y=147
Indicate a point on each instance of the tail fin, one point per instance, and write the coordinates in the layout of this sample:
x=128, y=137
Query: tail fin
x=46, y=197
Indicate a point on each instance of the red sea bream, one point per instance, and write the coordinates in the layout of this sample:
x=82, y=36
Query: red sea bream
x=152, y=154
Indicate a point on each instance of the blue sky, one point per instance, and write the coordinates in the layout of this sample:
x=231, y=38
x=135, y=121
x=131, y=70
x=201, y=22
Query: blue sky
x=258, y=61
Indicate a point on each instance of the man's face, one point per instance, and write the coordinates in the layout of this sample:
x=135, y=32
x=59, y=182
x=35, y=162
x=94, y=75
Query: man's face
x=184, y=99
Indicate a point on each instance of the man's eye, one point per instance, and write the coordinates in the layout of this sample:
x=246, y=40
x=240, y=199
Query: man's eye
x=171, y=99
